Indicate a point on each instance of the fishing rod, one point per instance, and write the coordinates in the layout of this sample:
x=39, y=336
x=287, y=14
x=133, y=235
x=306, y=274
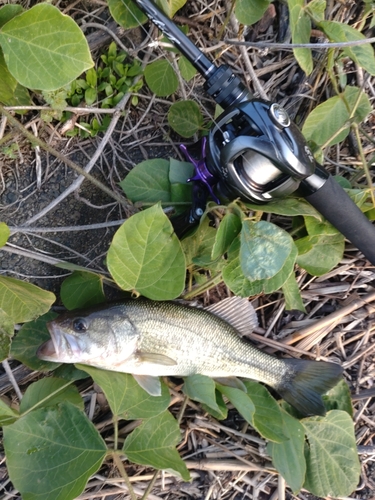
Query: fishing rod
x=255, y=152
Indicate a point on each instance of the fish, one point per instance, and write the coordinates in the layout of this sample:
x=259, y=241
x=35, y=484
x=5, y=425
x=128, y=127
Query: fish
x=149, y=339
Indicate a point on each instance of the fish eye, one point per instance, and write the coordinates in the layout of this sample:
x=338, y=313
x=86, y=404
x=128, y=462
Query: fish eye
x=80, y=325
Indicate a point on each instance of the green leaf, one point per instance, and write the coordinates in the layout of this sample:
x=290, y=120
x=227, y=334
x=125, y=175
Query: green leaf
x=185, y=118
x=49, y=392
x=7, y=12
x=268, y=420
x=288, y=206
x=202, y=389
x=6, y=334
x=31, y=336
x=126, y=397
x=342, y=32
x=7, y=414
x=170, y=7
x=316, y=228
x=52, y=452
x=323, y=123
x=187, y=70
x=333, y=468
x=148, y=181
x=161, y=78
x=339, y=398
x=228, y=229
x=301, y=31
x=240, y=400
x=146, y=256
x=292, y=295
x=23, y=301
x=4, y=233
x=319, y=254
x=8, y=84
x=264, y=249
x=288, y=456
x=153, y=444
x=44, y=49
x=82, y=289
x=250, y=11
x=317, y=9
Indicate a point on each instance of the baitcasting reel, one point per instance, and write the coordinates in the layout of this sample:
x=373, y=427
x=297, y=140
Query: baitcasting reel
x=256, y=153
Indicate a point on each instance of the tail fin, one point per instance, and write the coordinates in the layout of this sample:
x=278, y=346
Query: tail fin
x=306, y=381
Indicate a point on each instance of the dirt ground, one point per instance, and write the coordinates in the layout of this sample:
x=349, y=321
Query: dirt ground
x=51, y=221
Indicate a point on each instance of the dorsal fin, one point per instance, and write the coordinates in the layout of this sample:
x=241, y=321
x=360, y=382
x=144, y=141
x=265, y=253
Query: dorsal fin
x=238, y=312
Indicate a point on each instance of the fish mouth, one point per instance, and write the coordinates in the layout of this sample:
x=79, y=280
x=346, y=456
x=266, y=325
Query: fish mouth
x=59, y=346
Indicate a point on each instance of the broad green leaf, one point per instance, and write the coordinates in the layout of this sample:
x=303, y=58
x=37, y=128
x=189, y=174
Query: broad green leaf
x=264, y=249
x=202, y=389
x=52, y=452
x=7, y=414
x=7, y=12
x=288, y=206
x=170, y=7
x=153, y=444
x=6, y=334
x=187, y=70
x=8, y=84
x=4, y=233
x=315, y=227
x=292, y=295
x=44, y=49
x=148, y=181
x=317, y=9
x=196, y=244
x=126, y=397
x=288, y=456
x=342, y=32
x=126, y=13
x=268, y=420
x=50, y=391
x=82, y=289
x=146, y=256
x=233, y=275
x=223, y=410
x=23, y=301
x=250, y=11
x=277, y=281
x=301, y=31
x=339, y=398
x=240, y=400
x=333, y=468
x=319, y=254
x=185, y=118
x=324, y=122
x=31, y=336
x=228, y=229
x=161, y=78
x=181, y=190
x=180, y=171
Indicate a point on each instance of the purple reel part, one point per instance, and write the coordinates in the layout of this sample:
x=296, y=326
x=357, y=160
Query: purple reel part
x=201, y=172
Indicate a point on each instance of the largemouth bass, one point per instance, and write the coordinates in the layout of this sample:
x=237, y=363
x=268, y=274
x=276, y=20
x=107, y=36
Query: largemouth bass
x=151, y=339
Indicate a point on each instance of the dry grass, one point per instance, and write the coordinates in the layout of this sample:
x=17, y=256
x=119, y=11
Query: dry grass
x=38, y=194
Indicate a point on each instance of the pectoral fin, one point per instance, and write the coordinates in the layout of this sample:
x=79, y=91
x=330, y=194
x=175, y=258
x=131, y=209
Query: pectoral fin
x=149, y=384
x=158, y=359
x=231, y=382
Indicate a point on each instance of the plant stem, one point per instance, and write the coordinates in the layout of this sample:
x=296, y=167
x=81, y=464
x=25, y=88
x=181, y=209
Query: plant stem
x=215, y=280
x=150, y=486
x=121, y=468
x=36, y=140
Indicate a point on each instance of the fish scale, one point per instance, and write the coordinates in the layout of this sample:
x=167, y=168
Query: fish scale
x=150, y=339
